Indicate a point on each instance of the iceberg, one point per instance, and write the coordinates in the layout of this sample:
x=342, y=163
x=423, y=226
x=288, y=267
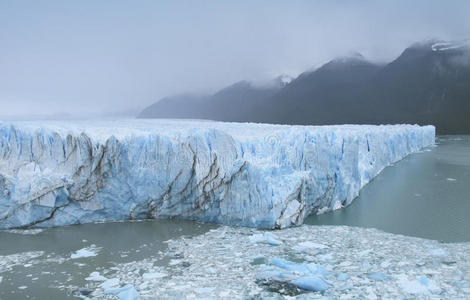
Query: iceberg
x=265, y=238
x=95, y=276
x=287, y=274
x=85, y=252
x=312, y=268
x=128, y=292
x=257, y=175
x=421, y=285
x=110, y=283
x=311, y=283
x=153, y=275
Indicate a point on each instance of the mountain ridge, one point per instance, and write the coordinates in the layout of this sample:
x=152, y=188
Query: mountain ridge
x=428, y=83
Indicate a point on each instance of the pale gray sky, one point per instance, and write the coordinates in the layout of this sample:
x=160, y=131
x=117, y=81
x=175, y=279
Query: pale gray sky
x=90, y=57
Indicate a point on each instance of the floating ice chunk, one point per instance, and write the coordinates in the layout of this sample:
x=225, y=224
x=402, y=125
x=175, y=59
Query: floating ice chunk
x=385, y=264
x=265, y=238
x=311, y=283
x=127, y=292
x=95, y=276
x=110, y=283
x=85, y=252
x=298, y=275
x=202, y=290
x=322, y=210
x=275, y=274
x=365, y=252
x=347, y=286
x=310, y=268
x=23, y=287
x=337, y=205
x=377, y=276
x=451, y=179
x=437, y=252
x=229, y=252
x=153, y=275
x=173, y=262
x=1, y=279
x=430, y=284
x=312, y=245
x=421, y=285
x=412, y=287
x=26, y=231
x=342, y=277
x=326, y=257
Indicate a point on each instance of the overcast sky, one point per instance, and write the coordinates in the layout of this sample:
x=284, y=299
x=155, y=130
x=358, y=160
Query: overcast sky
x=89, y=57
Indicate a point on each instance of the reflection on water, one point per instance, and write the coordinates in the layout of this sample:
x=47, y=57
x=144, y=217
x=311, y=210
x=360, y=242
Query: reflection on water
x=425, y=195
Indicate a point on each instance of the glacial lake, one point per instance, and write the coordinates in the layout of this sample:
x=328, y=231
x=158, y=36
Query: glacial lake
x=51, y=273
x=427, y=195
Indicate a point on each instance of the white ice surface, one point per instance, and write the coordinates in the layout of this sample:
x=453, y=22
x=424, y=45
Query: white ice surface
x=85, y=252
x=109, y=283
x=153, y=275
x=265, y=238
x=127, y=292
x=364, y=264
x=95, y=276
x=443, y=46
x=224, y=263
x=257, y=175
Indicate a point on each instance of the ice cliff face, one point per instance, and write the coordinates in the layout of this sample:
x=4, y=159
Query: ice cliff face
x=257, y=175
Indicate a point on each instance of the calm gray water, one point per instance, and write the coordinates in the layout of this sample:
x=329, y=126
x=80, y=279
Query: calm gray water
x=425, y=195
x=120, y=243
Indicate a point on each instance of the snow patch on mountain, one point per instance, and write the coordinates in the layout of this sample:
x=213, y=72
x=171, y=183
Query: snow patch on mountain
x=443, y=46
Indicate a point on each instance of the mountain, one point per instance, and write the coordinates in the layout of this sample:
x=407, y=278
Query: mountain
x=328, y=95
x=232, y=103
x=429, y=83
x=184, y=106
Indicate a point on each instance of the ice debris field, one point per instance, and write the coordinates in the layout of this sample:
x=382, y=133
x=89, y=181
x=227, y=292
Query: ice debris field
x=255, y=175
x=306, y=262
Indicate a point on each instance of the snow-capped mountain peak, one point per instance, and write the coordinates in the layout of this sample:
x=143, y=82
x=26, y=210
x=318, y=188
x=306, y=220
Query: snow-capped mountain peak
x=285, y=79
x=443, y=46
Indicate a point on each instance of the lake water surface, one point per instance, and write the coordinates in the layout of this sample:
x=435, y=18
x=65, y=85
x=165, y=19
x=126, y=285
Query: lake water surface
x=115, y=243
x=425, y=195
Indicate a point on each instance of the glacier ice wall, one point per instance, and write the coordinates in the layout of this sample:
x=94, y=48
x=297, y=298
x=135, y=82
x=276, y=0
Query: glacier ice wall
x=257, y=175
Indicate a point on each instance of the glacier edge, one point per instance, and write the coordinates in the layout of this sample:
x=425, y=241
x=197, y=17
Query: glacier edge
x=256, y=175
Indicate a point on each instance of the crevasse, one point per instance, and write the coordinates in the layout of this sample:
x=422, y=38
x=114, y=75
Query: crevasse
x=257, y=175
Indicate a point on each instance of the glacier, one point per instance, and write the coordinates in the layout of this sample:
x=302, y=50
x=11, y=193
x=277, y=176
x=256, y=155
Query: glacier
x=55, y=173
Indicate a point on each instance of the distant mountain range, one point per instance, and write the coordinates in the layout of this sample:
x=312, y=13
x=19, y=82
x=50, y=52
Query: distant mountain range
x=237, y=102
x=429, y=83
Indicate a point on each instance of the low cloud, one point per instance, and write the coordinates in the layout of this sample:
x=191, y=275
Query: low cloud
x=96, y=58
